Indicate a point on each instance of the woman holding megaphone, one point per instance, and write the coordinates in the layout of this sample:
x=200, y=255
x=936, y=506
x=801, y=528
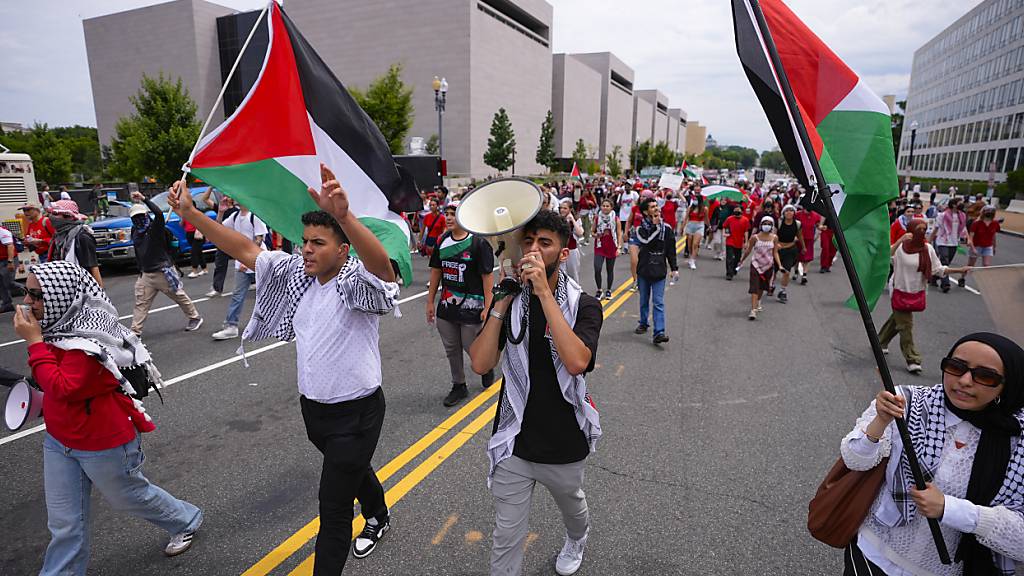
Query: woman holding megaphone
x=89, y=367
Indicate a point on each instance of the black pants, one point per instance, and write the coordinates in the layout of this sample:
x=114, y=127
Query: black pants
x=195, y=252
x=855, y=564
x=609, y=265
x=6, y=280
x=946, y=255
x=346, y=434
x=732, y=260
x=220, y=269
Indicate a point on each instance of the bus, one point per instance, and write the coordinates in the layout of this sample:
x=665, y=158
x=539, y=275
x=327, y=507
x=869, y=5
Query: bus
x=17, y=187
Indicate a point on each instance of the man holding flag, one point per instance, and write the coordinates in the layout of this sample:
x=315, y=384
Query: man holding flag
x=270, y=155
x=329, y=303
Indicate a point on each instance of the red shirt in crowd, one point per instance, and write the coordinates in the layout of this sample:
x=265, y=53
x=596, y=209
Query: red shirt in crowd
x=83, y=406
x=984, y=233
x=668, y=212
x=434, y=224
x=735, y=229
x=42, y=230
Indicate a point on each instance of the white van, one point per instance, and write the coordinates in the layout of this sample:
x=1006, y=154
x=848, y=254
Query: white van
x=17, y=186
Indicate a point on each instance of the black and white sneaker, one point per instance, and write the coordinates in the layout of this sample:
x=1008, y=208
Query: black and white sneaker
x=182, y=541
x=368, y=538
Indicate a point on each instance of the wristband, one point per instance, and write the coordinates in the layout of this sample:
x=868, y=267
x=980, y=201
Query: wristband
x=870, y=437
x=495, y=314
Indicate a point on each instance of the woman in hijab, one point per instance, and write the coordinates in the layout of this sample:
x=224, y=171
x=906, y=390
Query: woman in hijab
x=90, y=368
x=914, y=262
x=967, y=435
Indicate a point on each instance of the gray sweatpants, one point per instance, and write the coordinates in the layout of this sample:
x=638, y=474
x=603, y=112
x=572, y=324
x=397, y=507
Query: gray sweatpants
x=512, y=487
x=456, y=338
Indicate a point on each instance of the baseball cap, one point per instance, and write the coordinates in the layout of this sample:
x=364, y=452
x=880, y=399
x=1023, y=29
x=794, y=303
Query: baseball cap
x=137, y=209
x=30, y=206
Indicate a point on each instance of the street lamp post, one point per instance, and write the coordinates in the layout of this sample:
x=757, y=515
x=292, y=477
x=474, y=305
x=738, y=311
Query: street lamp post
x=440, y=96
x=513, y=160
x=910, y=159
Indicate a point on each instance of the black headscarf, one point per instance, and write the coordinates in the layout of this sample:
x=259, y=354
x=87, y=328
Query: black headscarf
x=998, y=424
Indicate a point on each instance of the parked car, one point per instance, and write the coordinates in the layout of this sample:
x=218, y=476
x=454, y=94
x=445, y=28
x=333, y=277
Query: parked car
x=114, y=235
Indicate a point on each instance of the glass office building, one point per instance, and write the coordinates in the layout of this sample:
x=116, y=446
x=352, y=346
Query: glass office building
x=967, y=97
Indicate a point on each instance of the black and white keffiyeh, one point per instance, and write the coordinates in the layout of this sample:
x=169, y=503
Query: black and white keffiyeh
x=516, y=369
x=77, y=315
x=926, y=421
x=281, y=281
x=606, y=223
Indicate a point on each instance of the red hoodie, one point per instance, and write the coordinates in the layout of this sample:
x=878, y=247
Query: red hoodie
x=83, y=406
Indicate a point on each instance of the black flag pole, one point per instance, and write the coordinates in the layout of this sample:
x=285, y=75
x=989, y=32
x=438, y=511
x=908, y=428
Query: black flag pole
x=820, y=189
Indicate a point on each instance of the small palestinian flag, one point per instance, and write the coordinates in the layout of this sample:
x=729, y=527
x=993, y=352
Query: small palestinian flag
x=576, y=172
x=847, y=124
x=297, y=115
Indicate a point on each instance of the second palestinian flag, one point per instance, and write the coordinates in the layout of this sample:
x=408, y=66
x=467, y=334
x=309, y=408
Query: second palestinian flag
x=297, y=115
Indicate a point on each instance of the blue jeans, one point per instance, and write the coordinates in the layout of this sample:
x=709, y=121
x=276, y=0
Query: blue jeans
x=656, y=289
x=242, y=282
x=68, y=477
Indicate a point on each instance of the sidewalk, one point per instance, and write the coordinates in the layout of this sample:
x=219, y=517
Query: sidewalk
x=1013, y=222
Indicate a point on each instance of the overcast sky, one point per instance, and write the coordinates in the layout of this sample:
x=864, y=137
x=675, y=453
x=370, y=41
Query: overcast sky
x=682, y=47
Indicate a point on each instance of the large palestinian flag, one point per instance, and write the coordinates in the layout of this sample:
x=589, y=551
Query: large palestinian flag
x=847, y=124
x=297, y=115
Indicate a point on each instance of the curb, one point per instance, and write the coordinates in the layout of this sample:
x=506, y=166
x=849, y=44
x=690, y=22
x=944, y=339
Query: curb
x=1012, y=233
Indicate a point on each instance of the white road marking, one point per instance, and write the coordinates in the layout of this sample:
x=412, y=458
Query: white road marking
x=971, y=290
x=125, y=317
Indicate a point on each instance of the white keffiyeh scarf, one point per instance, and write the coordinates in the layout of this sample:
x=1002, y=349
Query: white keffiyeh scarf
x=77, y=315
x=516, y=369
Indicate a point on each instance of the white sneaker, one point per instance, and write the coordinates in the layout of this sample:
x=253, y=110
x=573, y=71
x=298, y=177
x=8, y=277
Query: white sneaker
x=885, y=350
x=212, y=294
x=193, y=274
x=914, y=368
x=181, y=542
x=693, y=265
x=571, y=556
x=753, y=314
x=202, y=272
x=226, y=333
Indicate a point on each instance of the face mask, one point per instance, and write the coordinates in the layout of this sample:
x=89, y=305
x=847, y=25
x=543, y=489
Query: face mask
x=766, y=227
x=737, y=213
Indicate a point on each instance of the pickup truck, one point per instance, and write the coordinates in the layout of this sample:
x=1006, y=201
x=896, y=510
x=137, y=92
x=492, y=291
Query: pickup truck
x=114, y=235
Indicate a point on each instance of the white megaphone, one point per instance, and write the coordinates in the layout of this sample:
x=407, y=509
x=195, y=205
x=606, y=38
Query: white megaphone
x=24, y=404
x=497, y=210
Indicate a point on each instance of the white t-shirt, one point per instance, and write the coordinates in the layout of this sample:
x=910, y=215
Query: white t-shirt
x=329, y=335
x=626, y=202
x=6, y=239
x=248, y=225
x=64, y=195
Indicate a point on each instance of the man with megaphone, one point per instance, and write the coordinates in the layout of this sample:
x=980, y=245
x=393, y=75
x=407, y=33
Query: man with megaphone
x=546, y=424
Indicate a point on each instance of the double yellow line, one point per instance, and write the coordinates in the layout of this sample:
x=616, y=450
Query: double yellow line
x=299, y=539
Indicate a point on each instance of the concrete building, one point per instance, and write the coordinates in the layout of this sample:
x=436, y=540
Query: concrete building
x=676, y=129
x=650, y=116
x=710, y=142
x=616, y=119
x=494, y=53
x=575, y=105
x=967, y=97
x=122, y=47
x=696, y=138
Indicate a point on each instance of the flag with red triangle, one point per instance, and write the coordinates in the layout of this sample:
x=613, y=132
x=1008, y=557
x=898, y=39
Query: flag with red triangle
x=848, y=127
x=296, y=115
x=576, y=172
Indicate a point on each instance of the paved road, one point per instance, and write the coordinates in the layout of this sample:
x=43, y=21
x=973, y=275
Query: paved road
x=713, y=443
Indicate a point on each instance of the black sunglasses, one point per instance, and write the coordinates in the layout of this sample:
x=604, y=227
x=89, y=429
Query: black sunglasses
x=35, y=294
x=981, y=375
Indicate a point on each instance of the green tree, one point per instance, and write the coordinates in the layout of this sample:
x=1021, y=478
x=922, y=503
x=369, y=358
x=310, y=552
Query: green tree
x=897, y=125
x=433, y=144
x=546, y=147
x=50, y=156
x=156, y=139
x=388, y=102
x=774, y=160
x=614, y=161
x=640, y=155
x=662, y=155
x=502, y=142
x=579, y=154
